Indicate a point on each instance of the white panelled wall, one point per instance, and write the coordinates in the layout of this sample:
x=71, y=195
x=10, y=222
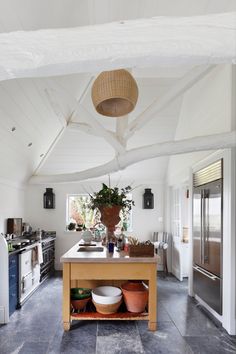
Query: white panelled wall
x=145, y=221
x=12, y=203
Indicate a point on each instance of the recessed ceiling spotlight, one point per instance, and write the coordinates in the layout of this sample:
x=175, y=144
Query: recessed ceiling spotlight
x=41, y=155
x=13, y=129
x=30, y=144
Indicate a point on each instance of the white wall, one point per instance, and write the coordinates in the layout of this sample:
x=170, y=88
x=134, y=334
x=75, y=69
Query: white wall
x=12, y=203
x=145, y=221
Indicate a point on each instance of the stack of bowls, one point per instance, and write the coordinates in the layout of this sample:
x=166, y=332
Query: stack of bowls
x=80, y=298
x=107, y=299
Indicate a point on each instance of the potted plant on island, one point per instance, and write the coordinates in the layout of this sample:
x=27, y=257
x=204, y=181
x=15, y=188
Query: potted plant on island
x=110, y=201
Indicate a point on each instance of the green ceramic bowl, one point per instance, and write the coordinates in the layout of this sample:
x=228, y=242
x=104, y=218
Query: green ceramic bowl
x=80, y=293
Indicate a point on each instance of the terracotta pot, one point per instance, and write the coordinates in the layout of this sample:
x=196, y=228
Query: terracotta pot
x=80, y=304
x=135, y=296
x=110, y=218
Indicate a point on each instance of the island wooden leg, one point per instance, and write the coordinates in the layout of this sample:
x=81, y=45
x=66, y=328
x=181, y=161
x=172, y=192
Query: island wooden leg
x=66, y=296
x=152, y=304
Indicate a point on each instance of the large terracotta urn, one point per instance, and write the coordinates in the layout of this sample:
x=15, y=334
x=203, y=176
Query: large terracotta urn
x=110, y=217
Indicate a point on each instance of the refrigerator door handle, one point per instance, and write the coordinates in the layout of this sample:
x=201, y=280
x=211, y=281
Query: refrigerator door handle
x=206, y=240
x=207, y=274
x=202, y=226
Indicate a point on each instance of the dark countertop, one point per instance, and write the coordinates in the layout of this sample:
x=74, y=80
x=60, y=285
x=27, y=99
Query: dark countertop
x=47, y=239
x=32, y=245
x=11, y=253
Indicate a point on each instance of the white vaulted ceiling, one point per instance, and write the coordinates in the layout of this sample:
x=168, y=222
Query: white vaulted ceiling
x=36, y=109
x=77, y=151
x=32, y=14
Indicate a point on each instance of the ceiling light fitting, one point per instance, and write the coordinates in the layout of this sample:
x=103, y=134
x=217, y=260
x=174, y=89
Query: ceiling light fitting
x=114, y=93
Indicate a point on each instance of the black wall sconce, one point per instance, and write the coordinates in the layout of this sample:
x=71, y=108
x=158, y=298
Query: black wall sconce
x=148, y=199
x=49, y=199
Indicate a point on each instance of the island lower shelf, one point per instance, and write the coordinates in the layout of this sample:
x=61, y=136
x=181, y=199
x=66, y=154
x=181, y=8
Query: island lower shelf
x=115, y=316
x=92, y=274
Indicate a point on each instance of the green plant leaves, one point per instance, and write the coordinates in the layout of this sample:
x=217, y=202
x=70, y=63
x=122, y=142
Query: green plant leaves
x=108, y=196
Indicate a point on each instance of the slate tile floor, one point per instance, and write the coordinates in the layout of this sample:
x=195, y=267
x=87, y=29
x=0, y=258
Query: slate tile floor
x=183, y=327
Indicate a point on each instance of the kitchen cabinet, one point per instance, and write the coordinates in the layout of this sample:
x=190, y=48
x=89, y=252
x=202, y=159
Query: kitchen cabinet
x=13, y=282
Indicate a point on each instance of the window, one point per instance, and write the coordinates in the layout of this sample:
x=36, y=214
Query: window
x=79, y=214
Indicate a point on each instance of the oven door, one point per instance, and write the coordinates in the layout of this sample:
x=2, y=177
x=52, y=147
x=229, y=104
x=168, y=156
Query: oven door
x=25, y=262
x=28, y=275
x=26, y=286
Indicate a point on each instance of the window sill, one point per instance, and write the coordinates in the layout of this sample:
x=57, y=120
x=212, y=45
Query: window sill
x=72, y=232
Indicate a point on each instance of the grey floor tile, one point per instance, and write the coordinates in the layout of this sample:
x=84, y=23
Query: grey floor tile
x=11, y=345
x=34, y=348
x=210, y=345
x=227, y=337
x=162, y=314
x=166, y=340
x=191, y=321
x=119, y=344
x=81, y=328
x=80, y=339
x=107, y=328
x=38, y=331
x=84, y=346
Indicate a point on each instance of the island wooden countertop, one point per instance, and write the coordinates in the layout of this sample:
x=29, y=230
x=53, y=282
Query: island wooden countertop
x=73, y=256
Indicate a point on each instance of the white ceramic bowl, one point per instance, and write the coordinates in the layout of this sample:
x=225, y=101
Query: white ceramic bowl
x=106, y=295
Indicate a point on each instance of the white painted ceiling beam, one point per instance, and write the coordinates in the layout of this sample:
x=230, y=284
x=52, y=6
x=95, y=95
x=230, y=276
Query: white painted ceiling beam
x=160, y=103
x=94, y=123
x=201, y=143
x=121, y=127
x=84, y=127
x=72, y=122
x=55, y=105
x=159, y=41
x=64, y=120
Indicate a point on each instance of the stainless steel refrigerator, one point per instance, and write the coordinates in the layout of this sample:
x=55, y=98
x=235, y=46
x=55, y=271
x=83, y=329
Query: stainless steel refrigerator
x=207, y=234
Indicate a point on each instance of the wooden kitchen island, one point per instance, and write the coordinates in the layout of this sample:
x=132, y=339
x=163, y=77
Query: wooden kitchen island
x=91, y=269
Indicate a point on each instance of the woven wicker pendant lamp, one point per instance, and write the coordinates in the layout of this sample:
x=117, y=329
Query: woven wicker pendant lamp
x=114, y=93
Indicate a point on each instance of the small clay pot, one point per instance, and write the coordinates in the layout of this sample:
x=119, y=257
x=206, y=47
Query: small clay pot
x=135, y=296
x=80, y=304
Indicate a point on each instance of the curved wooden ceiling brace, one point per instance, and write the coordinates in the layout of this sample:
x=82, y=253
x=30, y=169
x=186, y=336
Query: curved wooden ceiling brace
x=120, y=162
x=159, y=41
